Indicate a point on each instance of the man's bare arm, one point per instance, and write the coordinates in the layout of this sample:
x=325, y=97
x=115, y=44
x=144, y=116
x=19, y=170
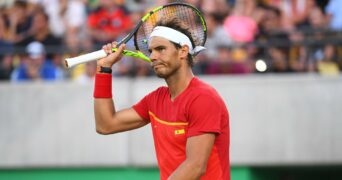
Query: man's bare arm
x=107, y=119
x=198, y=149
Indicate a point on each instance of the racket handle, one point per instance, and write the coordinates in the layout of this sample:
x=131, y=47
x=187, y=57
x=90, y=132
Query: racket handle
x=70, y=62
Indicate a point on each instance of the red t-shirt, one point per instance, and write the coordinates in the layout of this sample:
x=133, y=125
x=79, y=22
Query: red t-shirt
x=197, y=110
x=110, y=21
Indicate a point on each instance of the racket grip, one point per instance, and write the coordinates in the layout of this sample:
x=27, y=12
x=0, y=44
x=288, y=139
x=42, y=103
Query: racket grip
x=70, y=62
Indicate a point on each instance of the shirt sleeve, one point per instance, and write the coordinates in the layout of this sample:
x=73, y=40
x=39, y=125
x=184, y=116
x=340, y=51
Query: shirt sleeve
x=205, y=116
x=142, y=108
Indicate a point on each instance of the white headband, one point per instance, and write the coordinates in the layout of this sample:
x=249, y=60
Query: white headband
x=176, y=37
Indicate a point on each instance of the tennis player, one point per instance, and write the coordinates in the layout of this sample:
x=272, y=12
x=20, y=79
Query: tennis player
x=189, y=119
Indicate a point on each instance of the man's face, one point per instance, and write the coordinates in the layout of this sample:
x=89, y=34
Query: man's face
x=36, y=60
x=164, y=56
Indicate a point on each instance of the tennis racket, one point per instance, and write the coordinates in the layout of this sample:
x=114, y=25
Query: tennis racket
x=187, y=13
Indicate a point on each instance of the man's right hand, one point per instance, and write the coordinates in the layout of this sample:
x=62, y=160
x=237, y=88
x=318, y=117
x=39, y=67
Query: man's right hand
x=112, y=57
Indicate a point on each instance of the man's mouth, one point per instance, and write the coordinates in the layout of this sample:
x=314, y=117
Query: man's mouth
x=156, y=65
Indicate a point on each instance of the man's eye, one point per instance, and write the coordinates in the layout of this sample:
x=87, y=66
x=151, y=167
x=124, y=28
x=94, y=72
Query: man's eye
x=160, y=48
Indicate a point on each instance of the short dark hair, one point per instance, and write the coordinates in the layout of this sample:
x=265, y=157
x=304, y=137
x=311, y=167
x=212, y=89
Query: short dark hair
x=20, y=3
x=178, y=25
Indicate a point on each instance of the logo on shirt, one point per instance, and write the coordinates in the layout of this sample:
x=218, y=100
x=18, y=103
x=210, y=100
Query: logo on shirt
x=179, y=131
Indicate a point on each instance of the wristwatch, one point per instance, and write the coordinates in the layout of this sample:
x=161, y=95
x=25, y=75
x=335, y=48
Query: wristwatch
x=102, y=69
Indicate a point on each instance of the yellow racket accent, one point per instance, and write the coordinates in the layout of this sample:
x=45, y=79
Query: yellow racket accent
x=136, y=54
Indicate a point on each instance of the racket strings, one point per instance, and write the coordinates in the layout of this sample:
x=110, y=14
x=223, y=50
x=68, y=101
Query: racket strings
x=184, y=13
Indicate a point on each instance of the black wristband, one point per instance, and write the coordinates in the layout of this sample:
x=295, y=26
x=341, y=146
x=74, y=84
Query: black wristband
x=107, y=70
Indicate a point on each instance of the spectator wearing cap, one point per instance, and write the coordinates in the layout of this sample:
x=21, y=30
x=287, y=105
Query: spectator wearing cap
x=35, y=66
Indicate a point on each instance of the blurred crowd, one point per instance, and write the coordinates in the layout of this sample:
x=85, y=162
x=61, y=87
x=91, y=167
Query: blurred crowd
x=244, y=36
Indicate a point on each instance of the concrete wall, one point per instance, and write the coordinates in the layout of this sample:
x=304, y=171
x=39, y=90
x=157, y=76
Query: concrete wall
x=283, y=120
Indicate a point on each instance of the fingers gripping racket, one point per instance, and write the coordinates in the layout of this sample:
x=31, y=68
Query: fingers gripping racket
x=185, y=12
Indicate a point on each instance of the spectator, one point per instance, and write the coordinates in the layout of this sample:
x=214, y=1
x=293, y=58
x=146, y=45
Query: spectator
x=270, y=28
x=18, y=21
x=110, y=21
x=328, y=64
x=6, y=66
x=87, y=76
x=3, y=28
x=214, y=12
x=240, y=61
x=76, y=37
x=293, y=12
x=35, y=66
x=5, y=43
x=276, y=38
x=40, y=31
x=230, y=61
x=220, y=64
x=67, y=21
x=124, y=67
x=333, y=10
x=242, y=24
x=219, y=7
x=318, y=30
x=290, y=35
x=216, y=35
x=6, y=50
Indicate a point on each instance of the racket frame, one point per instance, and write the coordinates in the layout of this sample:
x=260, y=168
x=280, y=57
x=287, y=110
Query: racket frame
x=70, y=62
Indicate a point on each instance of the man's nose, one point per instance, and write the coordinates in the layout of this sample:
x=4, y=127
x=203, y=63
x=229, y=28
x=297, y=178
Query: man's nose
x=153, y=56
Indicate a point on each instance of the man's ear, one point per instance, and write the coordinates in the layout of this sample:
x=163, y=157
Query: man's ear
x=184, y=51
